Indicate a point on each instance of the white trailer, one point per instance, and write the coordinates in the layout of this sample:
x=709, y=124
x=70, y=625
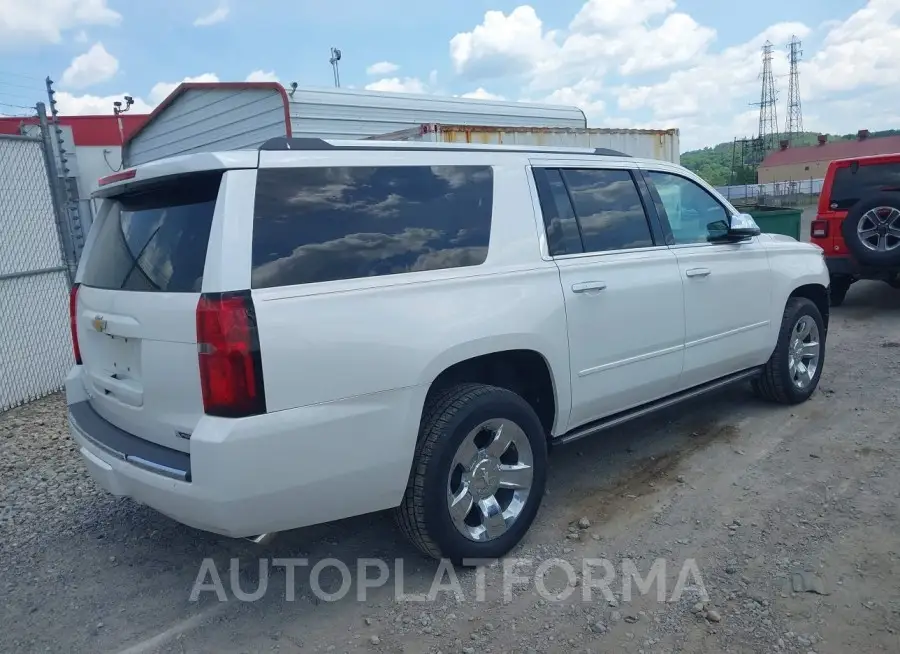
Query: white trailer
x=661, y=144
x=199, y=117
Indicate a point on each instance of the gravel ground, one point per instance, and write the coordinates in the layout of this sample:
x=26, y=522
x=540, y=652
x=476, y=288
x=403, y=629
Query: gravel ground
x=791, y=515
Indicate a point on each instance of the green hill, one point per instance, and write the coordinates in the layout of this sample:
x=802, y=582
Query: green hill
x=714, y=164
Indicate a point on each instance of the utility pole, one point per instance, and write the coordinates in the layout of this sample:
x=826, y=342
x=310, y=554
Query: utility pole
x=335, y=58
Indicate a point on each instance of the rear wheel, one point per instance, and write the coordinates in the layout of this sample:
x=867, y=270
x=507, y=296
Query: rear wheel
x=872, y=230
x=478, y=476
x=793, y=371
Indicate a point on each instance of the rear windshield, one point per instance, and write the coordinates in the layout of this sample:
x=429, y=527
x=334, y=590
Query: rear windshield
x=323, y=224
x=857, y=182
x=155, y=237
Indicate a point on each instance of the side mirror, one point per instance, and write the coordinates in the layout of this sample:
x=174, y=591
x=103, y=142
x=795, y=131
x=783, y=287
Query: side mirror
x=742, y=226
x=739, y=227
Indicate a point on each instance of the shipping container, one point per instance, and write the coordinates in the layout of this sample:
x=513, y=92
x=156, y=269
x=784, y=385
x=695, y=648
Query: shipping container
x=202, y=117
x=659, y=144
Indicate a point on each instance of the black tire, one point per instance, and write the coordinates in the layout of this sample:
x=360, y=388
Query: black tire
x=851, y=236
x=448, y=417
x=894, y=283
x=838, y=291
x=775, y=383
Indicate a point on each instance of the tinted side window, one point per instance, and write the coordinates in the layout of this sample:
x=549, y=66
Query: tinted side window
x=563, y=236
x=155, y=237
x=322, y=224
x=609, y=210
x=850, y=187
x=694, y=215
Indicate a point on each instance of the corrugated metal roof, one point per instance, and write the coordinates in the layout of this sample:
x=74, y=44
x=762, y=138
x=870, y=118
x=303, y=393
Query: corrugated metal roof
x=833, y=150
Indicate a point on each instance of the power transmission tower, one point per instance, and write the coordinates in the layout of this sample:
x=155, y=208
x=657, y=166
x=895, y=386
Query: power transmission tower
x=794, y=126
x=767, y=139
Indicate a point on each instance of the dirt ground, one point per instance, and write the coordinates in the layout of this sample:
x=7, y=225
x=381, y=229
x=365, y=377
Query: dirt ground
x=792, y=516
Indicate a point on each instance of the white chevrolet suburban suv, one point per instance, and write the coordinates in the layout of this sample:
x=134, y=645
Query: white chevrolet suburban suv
x=274, y=338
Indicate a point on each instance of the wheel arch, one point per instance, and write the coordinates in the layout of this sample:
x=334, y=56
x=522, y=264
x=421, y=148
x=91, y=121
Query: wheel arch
x=520, y=363
x=818, y=294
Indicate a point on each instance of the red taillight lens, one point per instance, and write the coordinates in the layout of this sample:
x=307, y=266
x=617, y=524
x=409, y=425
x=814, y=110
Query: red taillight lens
x=819, y=229
x=228, y=351
x=73, y=322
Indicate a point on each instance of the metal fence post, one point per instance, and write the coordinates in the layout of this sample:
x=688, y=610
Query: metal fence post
x=53, y=179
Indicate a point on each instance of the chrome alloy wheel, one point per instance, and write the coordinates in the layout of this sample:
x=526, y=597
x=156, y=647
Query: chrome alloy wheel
x=490, y=480
x=804, y=352
x=879, y=229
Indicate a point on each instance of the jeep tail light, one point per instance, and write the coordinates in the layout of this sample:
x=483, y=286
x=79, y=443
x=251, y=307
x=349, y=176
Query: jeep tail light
x=819, y=228
x=73, y=322
x=228, y=351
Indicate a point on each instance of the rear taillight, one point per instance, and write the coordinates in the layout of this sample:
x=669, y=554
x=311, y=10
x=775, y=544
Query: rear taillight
x=73, y=322
x=819, y=229
x=228, y=351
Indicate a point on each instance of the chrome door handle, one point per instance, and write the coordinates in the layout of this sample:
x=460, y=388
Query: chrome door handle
x=698, y=272
x=586, y=287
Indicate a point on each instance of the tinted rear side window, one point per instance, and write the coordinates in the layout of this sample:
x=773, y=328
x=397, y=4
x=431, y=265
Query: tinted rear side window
x=324, y=224
x=857, y=182
x=609, y=209
x=155, y=237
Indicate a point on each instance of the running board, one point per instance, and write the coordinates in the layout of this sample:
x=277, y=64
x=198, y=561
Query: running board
x=645, y=409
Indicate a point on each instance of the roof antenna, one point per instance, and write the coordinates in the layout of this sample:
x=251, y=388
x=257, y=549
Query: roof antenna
x=293, y=89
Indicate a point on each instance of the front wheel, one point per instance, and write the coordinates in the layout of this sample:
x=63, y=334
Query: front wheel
x=478, y=476
x=792, y=373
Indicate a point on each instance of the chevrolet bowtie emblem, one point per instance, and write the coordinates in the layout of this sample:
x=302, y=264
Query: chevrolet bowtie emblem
x=99, y=324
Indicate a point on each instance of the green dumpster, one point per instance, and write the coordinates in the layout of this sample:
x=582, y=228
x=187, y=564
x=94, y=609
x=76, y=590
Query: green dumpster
x=776, y=220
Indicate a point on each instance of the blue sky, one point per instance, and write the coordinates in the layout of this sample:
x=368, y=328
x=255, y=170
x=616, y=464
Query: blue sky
x=690, y=64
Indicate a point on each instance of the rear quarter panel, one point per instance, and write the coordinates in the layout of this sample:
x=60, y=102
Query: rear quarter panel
x=328, y=341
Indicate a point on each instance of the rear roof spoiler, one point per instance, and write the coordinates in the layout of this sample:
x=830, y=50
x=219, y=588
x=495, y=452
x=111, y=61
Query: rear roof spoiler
x=284, y=143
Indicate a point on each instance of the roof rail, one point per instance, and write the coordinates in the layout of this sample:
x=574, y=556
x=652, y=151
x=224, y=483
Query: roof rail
x=282, y=143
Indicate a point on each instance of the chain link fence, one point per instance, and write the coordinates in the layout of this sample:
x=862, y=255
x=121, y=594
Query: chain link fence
x=35, y=342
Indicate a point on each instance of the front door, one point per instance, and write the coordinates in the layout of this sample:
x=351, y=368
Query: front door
x=727, y=286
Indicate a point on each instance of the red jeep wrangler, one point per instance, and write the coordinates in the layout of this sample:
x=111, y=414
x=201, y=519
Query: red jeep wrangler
x=858, y=222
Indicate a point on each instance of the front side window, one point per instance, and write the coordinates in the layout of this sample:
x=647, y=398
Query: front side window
x=323, y=224
x=694, y=215
x=608, y=208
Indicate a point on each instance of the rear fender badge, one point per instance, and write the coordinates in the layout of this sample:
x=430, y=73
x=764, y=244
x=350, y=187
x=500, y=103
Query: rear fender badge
x=99, y=324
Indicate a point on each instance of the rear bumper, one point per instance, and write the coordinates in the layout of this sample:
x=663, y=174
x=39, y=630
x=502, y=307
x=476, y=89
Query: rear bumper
x=849, y=267
x=263, y=474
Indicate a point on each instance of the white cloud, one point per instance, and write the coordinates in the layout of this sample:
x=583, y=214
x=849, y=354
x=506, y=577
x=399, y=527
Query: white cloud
x=481, y=94
x=93, y=67
x=44, y=21
x=502, y=45
x=262, y=76
x=162, y=89
x=382, y=68
x=80, y=105
x=82, y=37
x=603, y=35
x=397, y=85
x=217, y=15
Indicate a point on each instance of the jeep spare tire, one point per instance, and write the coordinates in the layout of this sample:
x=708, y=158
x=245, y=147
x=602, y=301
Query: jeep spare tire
x=871, y=230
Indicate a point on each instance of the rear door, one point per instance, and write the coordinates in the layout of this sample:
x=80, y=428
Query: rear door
x=622, y=288
x=140, y=281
